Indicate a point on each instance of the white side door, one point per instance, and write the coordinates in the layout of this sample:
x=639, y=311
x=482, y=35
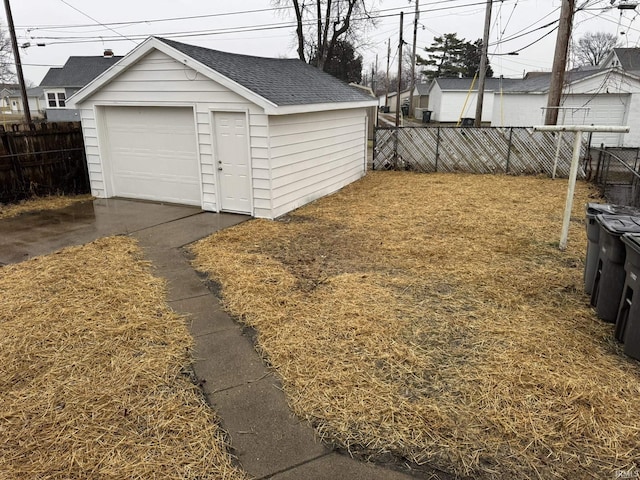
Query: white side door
x=232, y=161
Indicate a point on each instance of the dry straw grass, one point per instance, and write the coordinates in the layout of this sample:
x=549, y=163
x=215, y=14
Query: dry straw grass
x=433, y=317
x=94, y=373
x=36, y=204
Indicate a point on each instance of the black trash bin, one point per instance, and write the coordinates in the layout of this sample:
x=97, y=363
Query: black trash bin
x=468, y=122
x=593, y=236
x=609, y=278
x=405, y=110
x=628, y=321
x=426, y=116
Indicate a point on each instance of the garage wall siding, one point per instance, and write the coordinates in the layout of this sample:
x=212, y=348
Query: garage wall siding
x=314, y=154
x=160, y=80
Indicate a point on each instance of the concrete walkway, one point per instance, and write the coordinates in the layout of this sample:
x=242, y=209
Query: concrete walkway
x=268, y=441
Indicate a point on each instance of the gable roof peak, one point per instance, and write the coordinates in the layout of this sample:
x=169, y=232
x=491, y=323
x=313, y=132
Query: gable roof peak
x=281, y=81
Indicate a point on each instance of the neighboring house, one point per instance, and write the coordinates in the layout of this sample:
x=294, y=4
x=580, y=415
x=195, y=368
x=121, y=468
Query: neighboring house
x=451, y=99
x=628, y=59
x=591, y=97
x=60, y=83
x=11, y=101
x=261, y=136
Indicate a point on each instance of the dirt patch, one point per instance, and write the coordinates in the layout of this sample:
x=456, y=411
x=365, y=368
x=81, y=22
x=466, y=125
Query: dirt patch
x=95, y=373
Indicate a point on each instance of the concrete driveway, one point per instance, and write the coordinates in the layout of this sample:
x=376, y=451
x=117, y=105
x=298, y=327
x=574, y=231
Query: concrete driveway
x=40, y=233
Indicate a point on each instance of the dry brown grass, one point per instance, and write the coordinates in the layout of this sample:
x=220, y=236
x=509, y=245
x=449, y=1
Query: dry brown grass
x=94, y=373
x=36, y=204
x=432, y=316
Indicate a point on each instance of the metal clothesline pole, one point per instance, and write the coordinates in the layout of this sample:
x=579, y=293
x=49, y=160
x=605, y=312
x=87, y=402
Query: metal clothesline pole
x=573, y=172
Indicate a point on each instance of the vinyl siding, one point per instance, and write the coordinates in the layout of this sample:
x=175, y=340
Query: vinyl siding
x=159, y=80
x=518, y=110
x=315, y=154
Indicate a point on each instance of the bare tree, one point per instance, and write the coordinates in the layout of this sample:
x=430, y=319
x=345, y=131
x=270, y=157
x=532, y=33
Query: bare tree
x=7, y=73
x=592, y=48
x=321, y=24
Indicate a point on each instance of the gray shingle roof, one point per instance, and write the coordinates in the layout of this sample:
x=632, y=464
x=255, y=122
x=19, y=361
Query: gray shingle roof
x=281, y=81
x=77, y=71
x=465, y=83
x=539, y=81
x=629, y=58
x=423, y=88
x=31, y=92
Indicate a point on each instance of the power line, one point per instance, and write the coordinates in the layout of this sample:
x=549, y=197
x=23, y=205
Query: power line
x=91, y=18
x=229, y=30
x=156, y=20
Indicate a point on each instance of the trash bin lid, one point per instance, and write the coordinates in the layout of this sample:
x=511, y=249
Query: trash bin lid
x=611, y=209
x=619, y=224
x=633, y=240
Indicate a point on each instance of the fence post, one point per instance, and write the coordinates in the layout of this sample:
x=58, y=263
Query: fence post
x=607, y=157
x=395, y=147
x=373, y=157
x=506, y=168
x=437, y=147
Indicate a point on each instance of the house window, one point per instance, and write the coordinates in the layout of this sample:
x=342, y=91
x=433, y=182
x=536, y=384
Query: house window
x=56, y=99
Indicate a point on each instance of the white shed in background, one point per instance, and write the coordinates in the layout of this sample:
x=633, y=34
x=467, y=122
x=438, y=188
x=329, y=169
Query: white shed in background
x=260, y=136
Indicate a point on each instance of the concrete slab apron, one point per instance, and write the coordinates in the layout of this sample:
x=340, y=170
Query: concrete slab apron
x=268, y=440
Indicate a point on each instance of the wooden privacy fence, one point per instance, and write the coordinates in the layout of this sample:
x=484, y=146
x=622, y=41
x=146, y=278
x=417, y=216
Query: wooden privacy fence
x=42, y=159
x=513, y=150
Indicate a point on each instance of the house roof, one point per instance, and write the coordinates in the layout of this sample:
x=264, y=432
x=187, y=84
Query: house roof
x=15, y=92
x=77, y=71
x=538, y=82
x=629, y=58
x=395, y=92
x=280, y=86
x=423, y=88
x=455, y=83
x=281, y=81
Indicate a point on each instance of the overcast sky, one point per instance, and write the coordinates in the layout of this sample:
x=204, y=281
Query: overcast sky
x=65, y=22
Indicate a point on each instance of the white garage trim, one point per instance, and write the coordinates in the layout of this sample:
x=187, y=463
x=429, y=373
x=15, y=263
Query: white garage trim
x=141, y=166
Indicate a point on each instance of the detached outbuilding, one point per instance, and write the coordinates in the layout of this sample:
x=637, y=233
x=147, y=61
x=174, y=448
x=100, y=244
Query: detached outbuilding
x=184, y=124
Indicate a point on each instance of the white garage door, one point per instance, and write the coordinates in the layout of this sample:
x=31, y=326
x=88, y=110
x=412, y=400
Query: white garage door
x=152, y=154
x=603, y=110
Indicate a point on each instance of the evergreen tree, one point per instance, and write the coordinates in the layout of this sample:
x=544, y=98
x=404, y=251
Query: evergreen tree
x=471, y=59
x=443, y=57
x=343, y=63
x=449, y=56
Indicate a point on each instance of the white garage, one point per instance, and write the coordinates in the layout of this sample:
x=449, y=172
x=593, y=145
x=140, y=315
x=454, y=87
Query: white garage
x=590, y=97
x=177, y=123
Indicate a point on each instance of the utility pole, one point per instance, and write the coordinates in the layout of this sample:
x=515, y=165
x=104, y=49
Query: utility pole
x=386, y=83
x=413, y=59
x=482, y=74
x=399, y=71
x=373, y=81
x=559, y=62
x=16, y=56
